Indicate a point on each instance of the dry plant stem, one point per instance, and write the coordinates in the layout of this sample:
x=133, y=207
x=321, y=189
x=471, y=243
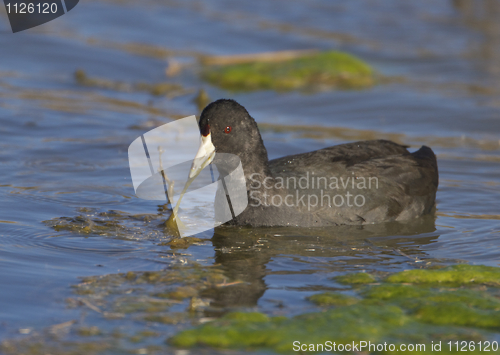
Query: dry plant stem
x=257, y=57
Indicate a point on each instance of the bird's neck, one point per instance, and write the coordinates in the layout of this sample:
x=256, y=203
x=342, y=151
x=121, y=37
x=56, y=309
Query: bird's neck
x=256, y=165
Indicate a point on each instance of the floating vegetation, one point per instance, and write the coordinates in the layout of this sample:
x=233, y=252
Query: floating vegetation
x=113, y=223
x=44, y=347
x=182, y=303
x=149, y=293
x=84, y=225
x=455, y=275
x=330, y=69
x=89, y=331
x=332, y=299
x=171, y=227
x=425, y=306
x=158, y=89
x=406, y=307
x=182, y=243
x=356, y=279
x=343, y=325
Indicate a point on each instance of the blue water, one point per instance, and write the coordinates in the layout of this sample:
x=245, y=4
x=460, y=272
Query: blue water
x=63, y=146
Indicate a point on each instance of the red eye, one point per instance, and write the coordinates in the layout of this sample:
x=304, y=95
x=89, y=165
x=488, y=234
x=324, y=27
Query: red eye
x=227, y=129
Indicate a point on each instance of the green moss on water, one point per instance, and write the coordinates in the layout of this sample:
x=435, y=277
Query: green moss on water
x=392, y=292
x=456, y=313
x=332, y=299
x=470, y=298
x=347, y=324
x=412, y=296
x=394, y=312
x=455, y=275
x=344, y=325
x=399, y=313
x=331, y=69
x=356, y=279
x=243, y=317
x=458, y=307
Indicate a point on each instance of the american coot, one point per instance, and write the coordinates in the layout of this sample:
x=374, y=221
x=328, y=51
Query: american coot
x=355, y=183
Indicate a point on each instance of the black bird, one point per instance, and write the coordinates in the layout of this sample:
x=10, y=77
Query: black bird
x=355, y=183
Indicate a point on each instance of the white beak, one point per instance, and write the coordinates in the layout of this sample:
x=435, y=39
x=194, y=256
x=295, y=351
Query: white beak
x=204, y=156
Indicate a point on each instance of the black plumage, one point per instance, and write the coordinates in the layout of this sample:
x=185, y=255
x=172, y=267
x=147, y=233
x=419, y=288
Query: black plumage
x=396, y=185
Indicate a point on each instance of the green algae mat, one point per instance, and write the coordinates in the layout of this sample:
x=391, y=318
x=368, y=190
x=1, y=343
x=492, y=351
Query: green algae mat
x=417, y=310
x=324, y=70
x=422, y=311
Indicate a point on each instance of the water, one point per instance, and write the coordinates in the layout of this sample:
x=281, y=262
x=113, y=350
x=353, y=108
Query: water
x=63, y=147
